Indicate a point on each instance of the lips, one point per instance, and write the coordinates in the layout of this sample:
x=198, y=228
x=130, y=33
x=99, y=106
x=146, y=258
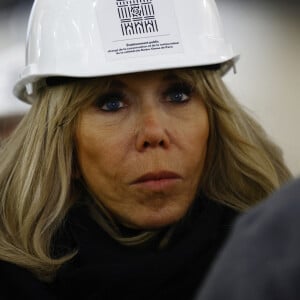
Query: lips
x=157, y=176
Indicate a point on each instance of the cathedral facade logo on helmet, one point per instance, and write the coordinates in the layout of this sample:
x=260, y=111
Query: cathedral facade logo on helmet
x=138, y=28
x=137, y=17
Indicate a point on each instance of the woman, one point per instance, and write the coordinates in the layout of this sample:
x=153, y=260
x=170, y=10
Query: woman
x=125, y=183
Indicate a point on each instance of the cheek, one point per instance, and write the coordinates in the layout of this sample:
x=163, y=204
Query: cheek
x=196, y=139
x=100, y=149
x=195, y=131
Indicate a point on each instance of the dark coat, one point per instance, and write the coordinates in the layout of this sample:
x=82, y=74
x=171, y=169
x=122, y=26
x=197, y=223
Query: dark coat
x=261, y=260
x=104, y=269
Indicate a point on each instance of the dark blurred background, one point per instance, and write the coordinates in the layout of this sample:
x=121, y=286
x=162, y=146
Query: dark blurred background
x=10, y=3
x=13, y=19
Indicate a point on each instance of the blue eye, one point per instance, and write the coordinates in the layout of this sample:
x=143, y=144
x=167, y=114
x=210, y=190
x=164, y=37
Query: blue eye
x=178, y=96
x=178, y=93
x=110, y=103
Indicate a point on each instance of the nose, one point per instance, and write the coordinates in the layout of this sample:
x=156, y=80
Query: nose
x=152, y=133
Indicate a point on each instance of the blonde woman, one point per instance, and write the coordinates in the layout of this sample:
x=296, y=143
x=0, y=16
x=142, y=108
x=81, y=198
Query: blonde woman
x=124, y=184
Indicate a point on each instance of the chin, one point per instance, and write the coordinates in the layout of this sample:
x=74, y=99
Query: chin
x=156, y=220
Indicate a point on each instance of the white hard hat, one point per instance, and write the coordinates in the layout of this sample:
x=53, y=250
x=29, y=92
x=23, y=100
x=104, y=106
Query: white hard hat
x=92, y=38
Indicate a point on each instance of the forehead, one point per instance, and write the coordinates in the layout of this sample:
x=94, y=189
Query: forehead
x=145, y=77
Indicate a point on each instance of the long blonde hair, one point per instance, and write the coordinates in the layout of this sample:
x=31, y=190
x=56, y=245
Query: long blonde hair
x=38, y=162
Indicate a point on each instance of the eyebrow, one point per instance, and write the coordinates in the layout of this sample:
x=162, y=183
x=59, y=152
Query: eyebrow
x=118, y=83
x=171, y=77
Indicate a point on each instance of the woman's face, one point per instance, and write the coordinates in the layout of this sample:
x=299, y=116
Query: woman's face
x=141, y=148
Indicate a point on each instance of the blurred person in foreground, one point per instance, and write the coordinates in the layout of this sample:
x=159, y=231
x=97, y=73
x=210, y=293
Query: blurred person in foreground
x=124, y=178
x=261, y=259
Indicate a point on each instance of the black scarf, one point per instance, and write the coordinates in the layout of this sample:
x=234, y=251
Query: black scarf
x=104, y=269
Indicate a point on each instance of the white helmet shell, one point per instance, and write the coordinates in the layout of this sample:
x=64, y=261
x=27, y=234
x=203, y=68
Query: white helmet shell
x=92, y=38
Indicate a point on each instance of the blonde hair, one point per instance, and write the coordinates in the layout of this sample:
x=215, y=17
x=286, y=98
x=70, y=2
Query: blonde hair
x=243, y=166
x=38, y=163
